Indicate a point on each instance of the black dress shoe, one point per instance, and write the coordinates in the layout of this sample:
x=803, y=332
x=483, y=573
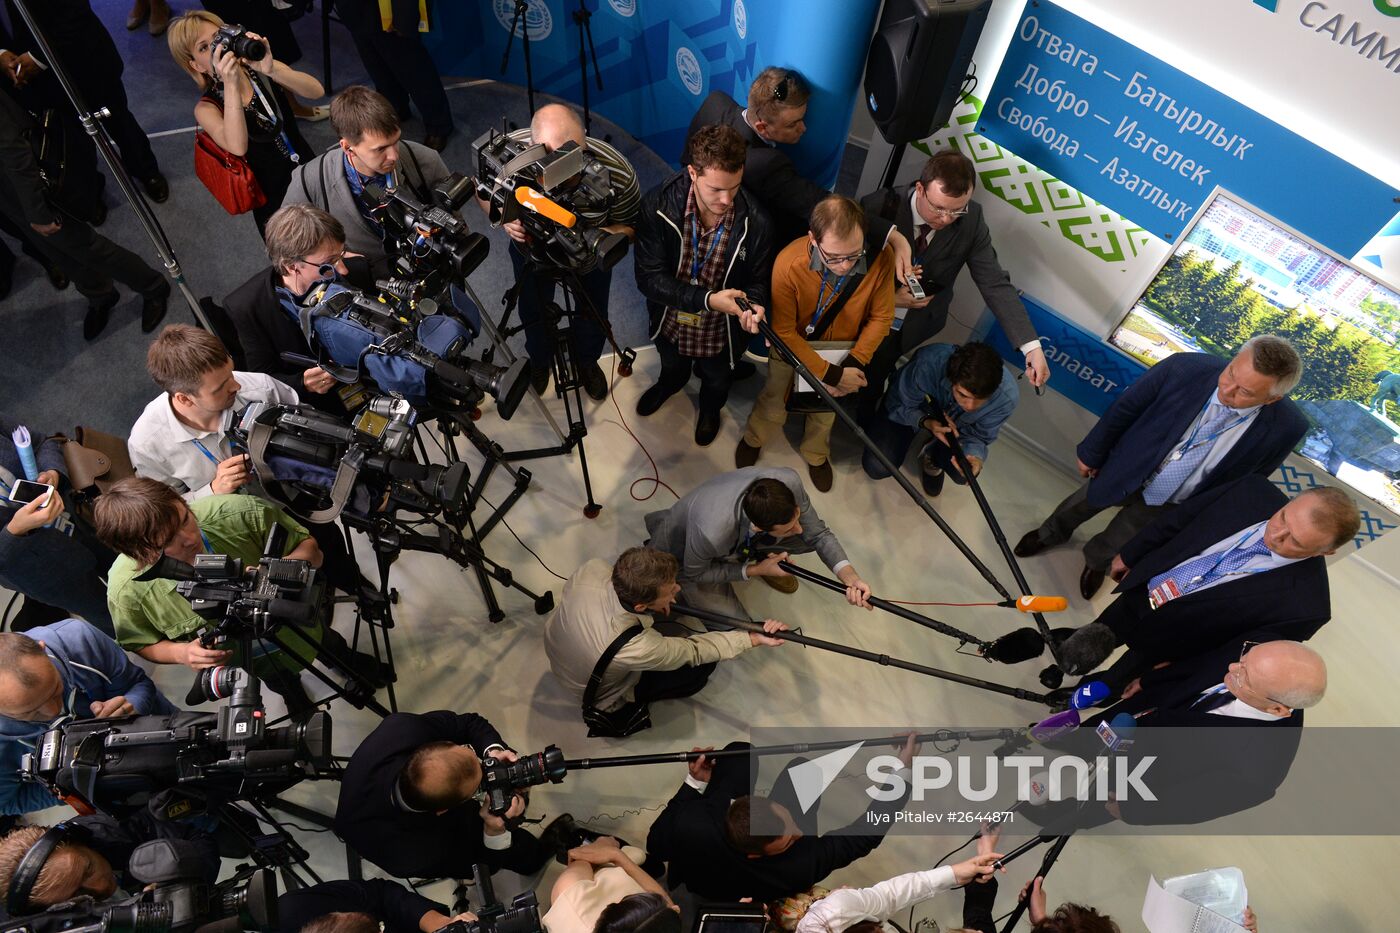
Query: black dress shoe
x=821, y=475
x=745, y=456
x=98, y=314
x=1029, y=545
x=157, y=188
x=651, y=401
x=435, y=141
x=706, y=428
x=1090, y=581
x=932, y=482
x=539, y=379
x=57, y=278
x=154, y=306
x=594, y=382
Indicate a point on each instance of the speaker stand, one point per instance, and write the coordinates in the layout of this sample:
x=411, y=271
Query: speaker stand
x=892, y=166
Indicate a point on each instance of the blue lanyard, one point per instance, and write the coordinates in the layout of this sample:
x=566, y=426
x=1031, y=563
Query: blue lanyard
x=697, y=262
x=208, y=548
x=823, y=307
x=204, y=450
x=1191, y=442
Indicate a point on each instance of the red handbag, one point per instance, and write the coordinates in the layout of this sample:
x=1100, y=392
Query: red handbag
x=228, y=177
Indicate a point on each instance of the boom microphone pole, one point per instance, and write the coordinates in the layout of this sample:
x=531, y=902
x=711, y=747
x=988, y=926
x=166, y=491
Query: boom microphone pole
x=92, y=123
x=837, y=586
x=918, y=498
x=751, y=626
x=961, y=458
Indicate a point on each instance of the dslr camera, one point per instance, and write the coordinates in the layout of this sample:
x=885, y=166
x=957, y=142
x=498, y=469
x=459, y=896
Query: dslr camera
x=500, y=779
x=548, y=192
x=239, y=44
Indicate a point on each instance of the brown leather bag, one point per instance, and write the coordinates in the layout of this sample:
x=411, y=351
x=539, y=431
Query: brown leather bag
x=94, y=461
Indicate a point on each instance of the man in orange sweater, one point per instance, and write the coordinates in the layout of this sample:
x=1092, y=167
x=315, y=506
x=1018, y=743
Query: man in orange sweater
x=829, y=293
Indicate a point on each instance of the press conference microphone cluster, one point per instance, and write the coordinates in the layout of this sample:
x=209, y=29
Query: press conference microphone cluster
x=1037, y=604
x=1052, y=727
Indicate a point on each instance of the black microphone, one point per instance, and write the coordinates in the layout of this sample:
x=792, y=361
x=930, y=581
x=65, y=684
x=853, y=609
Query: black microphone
x=1024, y=644
x=1087, y=648
x=1018, y=646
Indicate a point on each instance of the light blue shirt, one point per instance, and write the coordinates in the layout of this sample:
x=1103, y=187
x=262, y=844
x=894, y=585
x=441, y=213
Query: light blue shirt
x=1223, y=443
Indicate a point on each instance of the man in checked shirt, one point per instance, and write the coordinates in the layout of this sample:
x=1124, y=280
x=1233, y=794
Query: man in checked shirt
x=702, y=243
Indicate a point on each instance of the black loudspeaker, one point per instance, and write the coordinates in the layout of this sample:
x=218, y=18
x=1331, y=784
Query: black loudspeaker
x=918, y=61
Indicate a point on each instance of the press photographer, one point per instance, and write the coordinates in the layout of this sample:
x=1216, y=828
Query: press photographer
x=371, y=151
x=555, y=126
x=68, y=669
x=240, y=108
x=143, y=520
x=408, y=801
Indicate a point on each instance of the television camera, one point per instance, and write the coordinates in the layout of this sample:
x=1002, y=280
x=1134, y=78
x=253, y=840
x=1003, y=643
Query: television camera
x=549, y=193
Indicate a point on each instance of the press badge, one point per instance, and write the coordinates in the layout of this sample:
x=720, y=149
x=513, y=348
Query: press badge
x=1163, y=593
x=687, y=318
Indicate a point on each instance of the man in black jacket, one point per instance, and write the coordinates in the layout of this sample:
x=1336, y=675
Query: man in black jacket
x=937, y=214
x=1240, y=557
x=381, y=902
x=712, y=842
x=399, y=63
x=306, y=246
x=777, y=104
x=407, y=800
x=702, y=243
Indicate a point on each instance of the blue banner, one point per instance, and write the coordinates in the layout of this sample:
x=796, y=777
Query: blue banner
x=1151, y=142
x=1085, y=369
x=658, y=59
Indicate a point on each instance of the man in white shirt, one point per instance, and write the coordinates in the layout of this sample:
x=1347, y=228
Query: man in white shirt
x=182, y=437
x=601, y=602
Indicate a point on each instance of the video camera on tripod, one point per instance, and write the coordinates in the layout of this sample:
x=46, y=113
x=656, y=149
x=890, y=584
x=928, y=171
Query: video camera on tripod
x=430, y=243
x=247, y=901
x=330, y=464
x=522, y=916
x=549, y=193
x=408, y=345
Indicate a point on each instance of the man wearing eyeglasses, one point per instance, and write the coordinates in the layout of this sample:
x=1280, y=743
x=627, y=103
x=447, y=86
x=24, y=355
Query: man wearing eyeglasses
x=828, y=293
x=775, y=115
x=307, y=247
x=948, y=231
x=1238, y=558
x=65, y=669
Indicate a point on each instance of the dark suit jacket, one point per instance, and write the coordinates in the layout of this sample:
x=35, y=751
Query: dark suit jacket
x=771, y=177
x=1207, y=765
x=397, y=907
x=265, y=330
x=689, y=837
x=964, y=242
x=1290, y=602
x=414, y=845
x=79, y=40
x=1142, y=426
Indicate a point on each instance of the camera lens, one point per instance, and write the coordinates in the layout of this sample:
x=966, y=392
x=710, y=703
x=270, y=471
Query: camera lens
x=246, y=47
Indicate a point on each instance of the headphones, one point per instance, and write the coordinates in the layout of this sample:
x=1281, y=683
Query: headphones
x=30, y=867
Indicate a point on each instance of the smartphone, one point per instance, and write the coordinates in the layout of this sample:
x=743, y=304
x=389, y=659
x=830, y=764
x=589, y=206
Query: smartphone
x=916, y=288
x=25, y=492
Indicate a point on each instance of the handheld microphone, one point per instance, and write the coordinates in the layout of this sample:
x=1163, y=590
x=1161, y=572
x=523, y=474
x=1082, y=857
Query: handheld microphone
x=1052, y=727
x=531, y=199
x=1042, y=604
x=1117, y=733
x=1089, y=695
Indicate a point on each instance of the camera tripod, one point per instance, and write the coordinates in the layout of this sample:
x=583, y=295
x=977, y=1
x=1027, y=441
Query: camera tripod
x=520, y=20
x=567, y=382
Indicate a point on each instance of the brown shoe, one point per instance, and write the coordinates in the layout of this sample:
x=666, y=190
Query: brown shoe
x=821, y=475
x=744, y=455
x=160, y=17
x=786, y=585
x=140, y=11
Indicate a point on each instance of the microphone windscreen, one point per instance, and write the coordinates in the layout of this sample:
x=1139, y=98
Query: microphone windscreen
x=529, y=197
x=1056, y=725
x=1089, y=695
x=1042, y=604
x=1087, y=648
x=1024, y=644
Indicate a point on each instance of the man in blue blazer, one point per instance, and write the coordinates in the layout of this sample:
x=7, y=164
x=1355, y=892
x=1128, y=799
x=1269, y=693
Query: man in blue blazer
x=1189, y=424
x=1242, y=557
